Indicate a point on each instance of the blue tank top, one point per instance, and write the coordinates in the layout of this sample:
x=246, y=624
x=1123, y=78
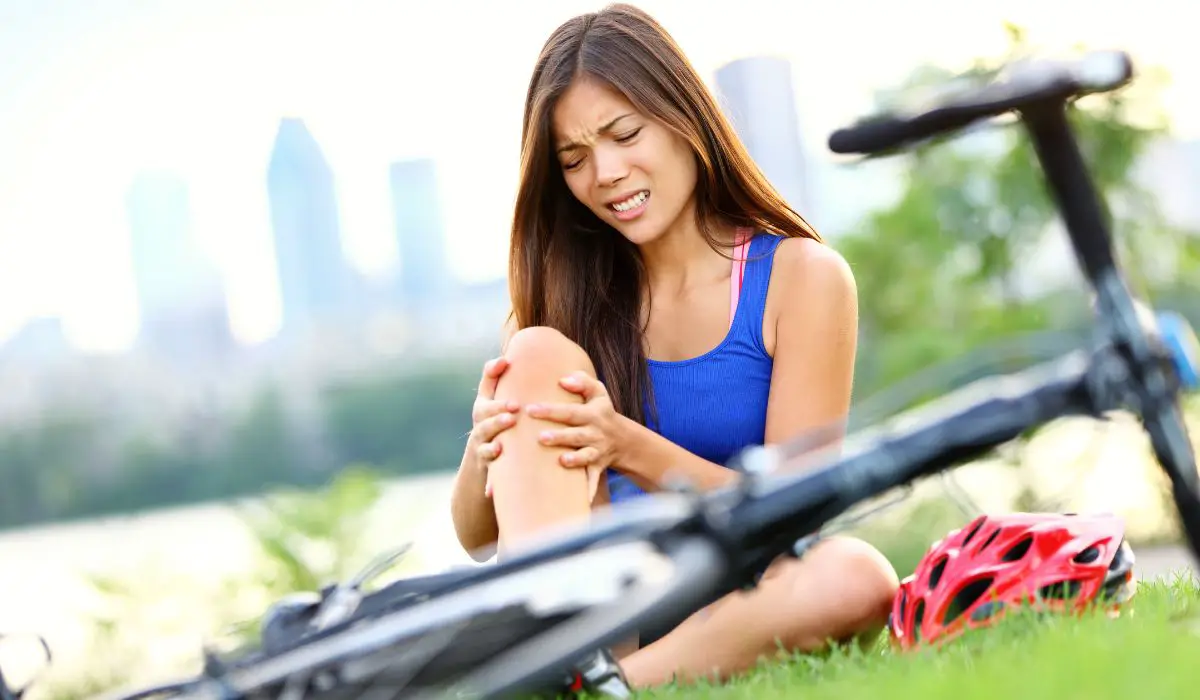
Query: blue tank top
x=715, y=405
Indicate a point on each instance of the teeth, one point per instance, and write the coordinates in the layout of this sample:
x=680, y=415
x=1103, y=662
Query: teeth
x=632, y=202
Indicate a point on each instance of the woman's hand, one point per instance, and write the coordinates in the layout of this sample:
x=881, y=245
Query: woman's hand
x=593, y=428
x=489, y=418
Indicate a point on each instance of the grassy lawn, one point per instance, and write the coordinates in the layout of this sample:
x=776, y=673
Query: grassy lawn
x=1151, y=652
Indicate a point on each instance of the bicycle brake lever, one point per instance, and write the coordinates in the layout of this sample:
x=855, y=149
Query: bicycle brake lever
x=344, y=599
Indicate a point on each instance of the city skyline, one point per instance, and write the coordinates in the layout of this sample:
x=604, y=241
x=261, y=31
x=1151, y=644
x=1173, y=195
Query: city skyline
x=176, y=283
x=95, y=101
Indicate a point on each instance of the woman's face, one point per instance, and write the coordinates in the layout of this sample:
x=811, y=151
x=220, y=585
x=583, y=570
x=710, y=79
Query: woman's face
x=630, y=170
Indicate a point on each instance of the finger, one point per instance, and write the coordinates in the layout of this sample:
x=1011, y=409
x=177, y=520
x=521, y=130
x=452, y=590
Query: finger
x=486, y=408
x=568, y=437
x=580, y=458
x=488, y=451
x=488, y=430
x=492, y=370
x=565, y=413
x=583, y=384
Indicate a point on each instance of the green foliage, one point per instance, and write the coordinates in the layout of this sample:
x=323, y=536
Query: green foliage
x=68, y=466
x=37, y=465
x=305, y=539
x=310, y=538
x=415, y=421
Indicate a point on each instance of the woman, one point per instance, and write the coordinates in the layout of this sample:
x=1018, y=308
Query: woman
x=637, y=351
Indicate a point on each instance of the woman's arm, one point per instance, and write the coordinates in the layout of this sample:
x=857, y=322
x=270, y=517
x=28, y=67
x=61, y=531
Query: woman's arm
x=816, y=339
x=813, y=312
x=649, y=459
x=471, y=511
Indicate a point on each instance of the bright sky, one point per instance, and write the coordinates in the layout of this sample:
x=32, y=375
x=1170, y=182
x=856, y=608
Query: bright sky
x=92, y=90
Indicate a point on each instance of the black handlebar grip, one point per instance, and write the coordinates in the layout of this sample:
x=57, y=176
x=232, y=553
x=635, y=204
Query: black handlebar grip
x=870, y=136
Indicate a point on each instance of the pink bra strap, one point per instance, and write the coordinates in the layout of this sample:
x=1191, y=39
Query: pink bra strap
x=739, y=270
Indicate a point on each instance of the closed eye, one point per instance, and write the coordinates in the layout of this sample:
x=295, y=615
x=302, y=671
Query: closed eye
x=629, y=136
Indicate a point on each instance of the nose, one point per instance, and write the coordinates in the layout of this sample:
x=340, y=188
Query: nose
x=611, y=167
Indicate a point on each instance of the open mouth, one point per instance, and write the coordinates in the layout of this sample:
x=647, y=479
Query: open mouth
x=631, y=207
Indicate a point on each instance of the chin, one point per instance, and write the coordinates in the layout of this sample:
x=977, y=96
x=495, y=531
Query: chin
x=640, y=232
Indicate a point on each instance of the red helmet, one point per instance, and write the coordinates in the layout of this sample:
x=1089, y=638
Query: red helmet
x=974, y=575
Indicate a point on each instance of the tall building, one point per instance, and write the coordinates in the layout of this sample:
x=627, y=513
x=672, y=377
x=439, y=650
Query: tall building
x=182, y=305
x=315, y=278
x=420, y=237
x=756, y=94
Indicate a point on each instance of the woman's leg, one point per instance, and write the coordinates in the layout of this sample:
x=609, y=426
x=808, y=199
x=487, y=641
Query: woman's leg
x=841, y=590
x=531, y=491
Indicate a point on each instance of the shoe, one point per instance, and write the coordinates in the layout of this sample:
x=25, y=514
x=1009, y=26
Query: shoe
x=599, y=674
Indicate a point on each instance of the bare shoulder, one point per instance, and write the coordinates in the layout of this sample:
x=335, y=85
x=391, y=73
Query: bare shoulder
x=812, y=291
x=814, y=267
x=807, y=268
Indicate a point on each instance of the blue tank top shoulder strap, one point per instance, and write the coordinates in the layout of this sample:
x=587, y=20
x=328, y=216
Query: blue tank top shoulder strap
x=747, y=323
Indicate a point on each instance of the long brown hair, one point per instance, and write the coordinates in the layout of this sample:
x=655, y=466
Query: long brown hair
x=569, y=270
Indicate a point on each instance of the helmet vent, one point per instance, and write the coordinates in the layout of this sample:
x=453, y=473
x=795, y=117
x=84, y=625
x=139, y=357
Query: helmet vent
x=974, y=529
x=991, y=538
x=987, y=611
x=966, y=597
x=1087, y=556
x=1018, y=550
x=1061, y=590
x=935, y=576
x=1122, y=560
x=918, y=616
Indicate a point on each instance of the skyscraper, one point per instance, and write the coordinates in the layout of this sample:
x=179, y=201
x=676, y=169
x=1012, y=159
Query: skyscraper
x=182, y=305
x=419, y=231
x=757, y=96
x=314, y=274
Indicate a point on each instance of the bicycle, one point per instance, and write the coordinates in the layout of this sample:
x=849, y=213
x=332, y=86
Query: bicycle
x=522, y=624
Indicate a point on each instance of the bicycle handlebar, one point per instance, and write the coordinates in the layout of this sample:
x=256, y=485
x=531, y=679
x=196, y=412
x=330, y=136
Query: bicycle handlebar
x=1018, y=86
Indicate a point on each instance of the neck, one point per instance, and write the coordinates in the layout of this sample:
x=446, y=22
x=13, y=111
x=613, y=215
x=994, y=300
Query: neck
x=681, y=256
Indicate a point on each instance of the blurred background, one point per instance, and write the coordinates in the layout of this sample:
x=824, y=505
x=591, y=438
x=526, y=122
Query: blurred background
x=252, y=257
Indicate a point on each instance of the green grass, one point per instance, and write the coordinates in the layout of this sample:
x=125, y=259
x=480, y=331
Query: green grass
x=1150, y=652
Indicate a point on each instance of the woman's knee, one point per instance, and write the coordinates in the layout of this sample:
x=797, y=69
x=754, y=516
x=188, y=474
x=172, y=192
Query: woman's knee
x=539, y=356
x=547, y=345
x=865, y=579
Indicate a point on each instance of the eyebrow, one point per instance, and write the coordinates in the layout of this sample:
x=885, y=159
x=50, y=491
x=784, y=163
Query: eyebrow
x=602, y=130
